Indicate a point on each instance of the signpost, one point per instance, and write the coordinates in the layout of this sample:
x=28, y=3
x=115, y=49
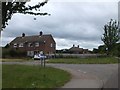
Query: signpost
x=42, y=61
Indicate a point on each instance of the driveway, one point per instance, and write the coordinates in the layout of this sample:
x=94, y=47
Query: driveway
x=86, y=75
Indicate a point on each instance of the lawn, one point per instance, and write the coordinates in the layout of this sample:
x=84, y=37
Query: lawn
x=0, y=76
x=23, y=76
x=15, y=60
x=100, y=60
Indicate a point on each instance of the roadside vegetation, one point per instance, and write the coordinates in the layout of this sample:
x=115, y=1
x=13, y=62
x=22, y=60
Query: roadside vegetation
x=111, y=37
x=23, y=76
x=91, y=60
x=15, y=60
x=73, y=60
x=11, y=53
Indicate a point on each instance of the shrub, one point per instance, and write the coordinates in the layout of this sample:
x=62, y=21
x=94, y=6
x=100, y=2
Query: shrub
x=7, y=53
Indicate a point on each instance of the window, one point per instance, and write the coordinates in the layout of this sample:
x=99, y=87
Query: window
x=30, y=53
x=15, y=45
x=51, y=45
x=21, y=45
x=36, y=44
x=30, y=45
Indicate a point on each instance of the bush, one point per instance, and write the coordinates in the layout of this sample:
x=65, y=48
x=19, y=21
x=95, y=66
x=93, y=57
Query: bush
x=7, y=53
x=115, y=50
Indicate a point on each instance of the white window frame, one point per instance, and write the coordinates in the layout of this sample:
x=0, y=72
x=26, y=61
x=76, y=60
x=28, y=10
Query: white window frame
x=30, y=45
x=15, y=45
x=21, y=45
x=30, y=53
x=51, y=45
x=37, y=44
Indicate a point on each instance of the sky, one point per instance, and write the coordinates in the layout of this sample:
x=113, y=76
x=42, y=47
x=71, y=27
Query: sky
x=78, y=22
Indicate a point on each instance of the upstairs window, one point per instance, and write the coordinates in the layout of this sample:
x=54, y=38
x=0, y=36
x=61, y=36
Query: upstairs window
x=15, y=45
x=51, y=45
x=36, y=44
x=30, y=45
x=21, y=45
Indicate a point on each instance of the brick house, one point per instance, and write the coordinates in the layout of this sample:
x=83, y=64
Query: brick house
x=34, y=44
x=77, y=50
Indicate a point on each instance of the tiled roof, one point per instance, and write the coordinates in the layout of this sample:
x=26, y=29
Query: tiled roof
x=35, y=38
x=76, y=49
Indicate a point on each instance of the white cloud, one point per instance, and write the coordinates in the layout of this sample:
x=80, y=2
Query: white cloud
x=71, y=22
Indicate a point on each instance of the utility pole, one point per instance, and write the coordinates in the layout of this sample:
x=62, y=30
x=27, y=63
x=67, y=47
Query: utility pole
x=0, y=18
x=119, y=16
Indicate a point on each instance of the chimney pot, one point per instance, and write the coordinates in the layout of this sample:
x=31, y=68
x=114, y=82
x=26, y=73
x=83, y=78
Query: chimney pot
x=23, y=34
x=73, y=45
x=41, y=33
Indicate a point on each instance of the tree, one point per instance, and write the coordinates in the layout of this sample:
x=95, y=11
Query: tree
x=10, y=8
x=102, y=49
x=95, y=50
x=111, y=35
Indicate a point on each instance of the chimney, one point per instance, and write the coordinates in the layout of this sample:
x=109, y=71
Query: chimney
x=41, y=33
x=23, y=34
x=78, y=46
x=73, y=45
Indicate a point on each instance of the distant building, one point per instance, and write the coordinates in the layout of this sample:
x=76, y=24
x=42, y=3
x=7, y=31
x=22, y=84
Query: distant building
x=34, y=44
x=77, y=50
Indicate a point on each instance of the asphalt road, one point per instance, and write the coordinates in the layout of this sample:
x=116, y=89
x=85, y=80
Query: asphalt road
x=86, y=75
x=91, y=75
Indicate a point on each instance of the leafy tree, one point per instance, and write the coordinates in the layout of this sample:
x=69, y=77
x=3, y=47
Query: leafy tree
x=111, y=35
x=102, y=49
x=95, y=50
x=116, y=50
x=10, y=8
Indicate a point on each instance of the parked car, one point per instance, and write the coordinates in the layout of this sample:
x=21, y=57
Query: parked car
x=39, y=56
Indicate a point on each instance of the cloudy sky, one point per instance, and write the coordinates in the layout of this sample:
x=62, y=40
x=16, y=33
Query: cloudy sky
x=78, y=22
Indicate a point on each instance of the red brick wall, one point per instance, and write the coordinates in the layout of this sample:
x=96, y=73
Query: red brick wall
x=45, y=47
x=48, y=48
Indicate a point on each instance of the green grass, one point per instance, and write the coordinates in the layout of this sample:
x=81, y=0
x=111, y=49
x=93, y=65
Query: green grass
x=15, y=60
x=100, y=60
x=0, y=76
x=23, y=76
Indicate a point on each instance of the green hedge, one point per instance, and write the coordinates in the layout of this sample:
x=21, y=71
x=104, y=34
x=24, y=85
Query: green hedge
x=6, y=53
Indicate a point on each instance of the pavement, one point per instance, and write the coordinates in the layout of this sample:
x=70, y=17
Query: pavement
x=86, y=75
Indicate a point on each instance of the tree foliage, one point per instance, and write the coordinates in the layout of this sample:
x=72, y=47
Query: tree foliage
x=115, y=51
x=10, y=8
x=111, y=34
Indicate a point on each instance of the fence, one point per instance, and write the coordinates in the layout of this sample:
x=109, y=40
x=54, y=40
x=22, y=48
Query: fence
x=75, y=55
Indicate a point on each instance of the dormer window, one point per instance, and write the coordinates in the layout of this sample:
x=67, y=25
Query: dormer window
x=36, y=44
x=21, y=45
x=15, y=45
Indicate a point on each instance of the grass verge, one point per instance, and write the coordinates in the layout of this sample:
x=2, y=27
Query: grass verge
x=100, y=60
x=15, y=60
x=23, y=76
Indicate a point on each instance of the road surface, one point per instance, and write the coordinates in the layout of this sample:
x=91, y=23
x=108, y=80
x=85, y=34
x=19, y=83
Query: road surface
x=86, y=75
